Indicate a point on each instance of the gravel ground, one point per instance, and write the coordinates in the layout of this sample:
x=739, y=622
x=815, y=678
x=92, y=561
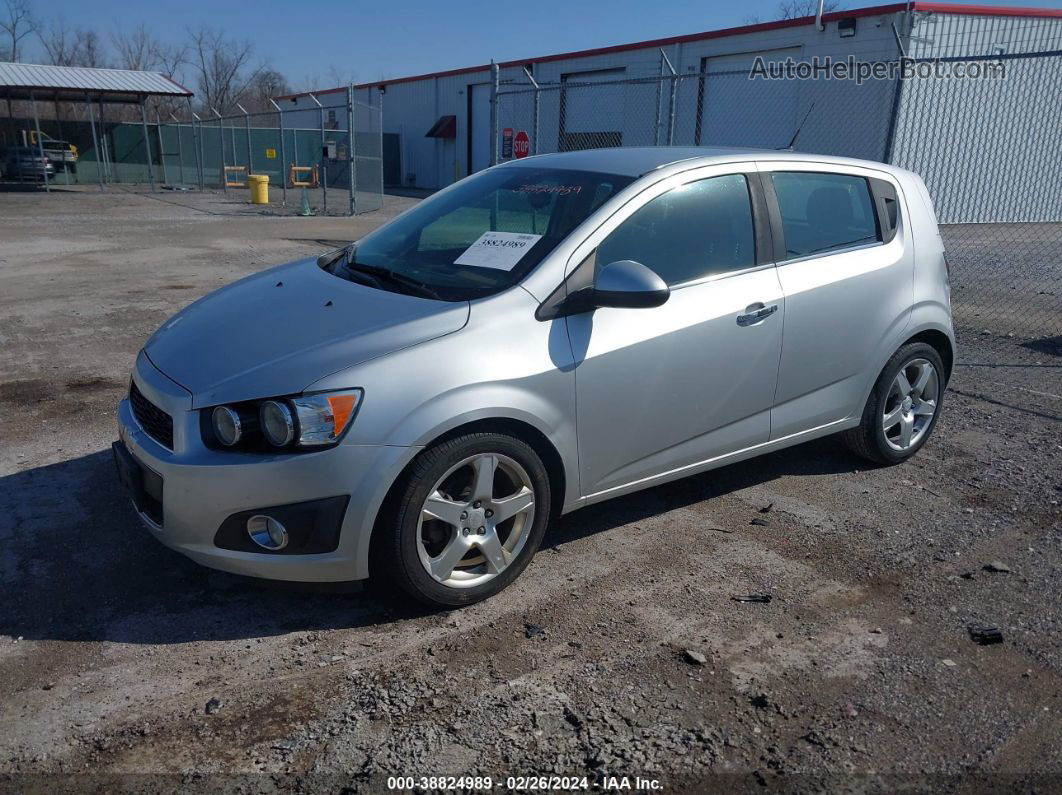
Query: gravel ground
x=620, y=651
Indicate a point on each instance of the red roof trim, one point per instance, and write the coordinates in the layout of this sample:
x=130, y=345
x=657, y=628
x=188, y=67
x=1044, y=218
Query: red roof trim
x=989, y=11
x=870, y=11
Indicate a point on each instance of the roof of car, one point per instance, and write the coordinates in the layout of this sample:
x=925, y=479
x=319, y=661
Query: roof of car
x=635, y=161
x=631, y=161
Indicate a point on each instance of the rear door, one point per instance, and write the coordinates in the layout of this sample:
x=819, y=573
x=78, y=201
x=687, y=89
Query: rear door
x=848, y=285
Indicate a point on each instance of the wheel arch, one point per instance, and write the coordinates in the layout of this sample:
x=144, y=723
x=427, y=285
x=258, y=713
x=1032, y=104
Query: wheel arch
x=941, y=343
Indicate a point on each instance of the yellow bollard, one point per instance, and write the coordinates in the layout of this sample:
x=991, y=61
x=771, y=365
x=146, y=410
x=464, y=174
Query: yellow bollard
x=259, y=184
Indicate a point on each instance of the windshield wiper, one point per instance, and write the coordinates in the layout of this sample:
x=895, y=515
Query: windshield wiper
x=415, y=286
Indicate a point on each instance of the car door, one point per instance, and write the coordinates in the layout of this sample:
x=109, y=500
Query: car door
x=661, y=390
x=847, y=276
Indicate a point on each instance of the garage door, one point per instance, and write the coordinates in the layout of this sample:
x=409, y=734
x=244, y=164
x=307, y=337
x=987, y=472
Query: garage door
x=592, y=116
x=479, y=126
x=737, y=111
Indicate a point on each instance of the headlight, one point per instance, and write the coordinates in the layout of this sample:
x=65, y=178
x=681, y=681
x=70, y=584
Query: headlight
x=299, y=421
x=277, y=423
x=227, y=426
x=322, y=418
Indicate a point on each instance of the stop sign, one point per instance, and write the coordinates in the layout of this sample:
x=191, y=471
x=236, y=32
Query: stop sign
x=521, y=144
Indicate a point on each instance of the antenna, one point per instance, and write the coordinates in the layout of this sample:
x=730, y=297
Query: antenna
x=799, y=128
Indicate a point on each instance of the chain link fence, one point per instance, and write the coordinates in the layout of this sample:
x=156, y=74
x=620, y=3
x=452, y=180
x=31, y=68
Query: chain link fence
x=989, y=149
x=213, y=152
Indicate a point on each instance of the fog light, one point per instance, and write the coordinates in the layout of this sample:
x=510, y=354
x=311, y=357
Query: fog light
x=267, y=532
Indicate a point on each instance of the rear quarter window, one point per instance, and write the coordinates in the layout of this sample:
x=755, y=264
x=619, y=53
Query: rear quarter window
x=824, y=212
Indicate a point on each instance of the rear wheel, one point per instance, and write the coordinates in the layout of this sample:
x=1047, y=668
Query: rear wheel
x=470, y=516
x=903, y=407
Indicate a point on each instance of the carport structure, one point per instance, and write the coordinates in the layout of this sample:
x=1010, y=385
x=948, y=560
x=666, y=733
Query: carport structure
x=91, y=86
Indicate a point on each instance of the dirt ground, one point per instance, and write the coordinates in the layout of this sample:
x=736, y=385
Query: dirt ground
x=125, y=666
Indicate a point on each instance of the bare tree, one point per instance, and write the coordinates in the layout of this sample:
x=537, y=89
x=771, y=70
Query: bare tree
x=66, y=47
x=17, y=23
x=89, y=48
x=139, y=49
x=170, y=59
x=795, y=9
x=340, y=77
x=223, y=68
x=135, y=49
x=269, y=83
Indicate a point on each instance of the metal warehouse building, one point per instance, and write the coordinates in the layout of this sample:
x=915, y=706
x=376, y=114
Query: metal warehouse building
x=696, y=89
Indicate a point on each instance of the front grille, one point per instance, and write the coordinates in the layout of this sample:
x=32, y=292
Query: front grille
x=156, y=422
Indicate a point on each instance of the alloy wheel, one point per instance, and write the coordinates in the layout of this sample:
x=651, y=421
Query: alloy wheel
x=475, y=520
x=910, y=404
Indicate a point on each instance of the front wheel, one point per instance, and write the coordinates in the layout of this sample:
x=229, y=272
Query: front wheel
x=470, y=516
x=903, y=407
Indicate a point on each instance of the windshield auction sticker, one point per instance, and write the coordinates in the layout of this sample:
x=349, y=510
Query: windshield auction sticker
x=498, y=250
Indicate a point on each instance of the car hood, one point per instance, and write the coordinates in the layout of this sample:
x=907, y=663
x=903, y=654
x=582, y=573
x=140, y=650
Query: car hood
x=278, y=331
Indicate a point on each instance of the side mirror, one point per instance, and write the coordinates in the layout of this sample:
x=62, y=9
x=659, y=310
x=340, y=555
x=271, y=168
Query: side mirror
x=629, y=284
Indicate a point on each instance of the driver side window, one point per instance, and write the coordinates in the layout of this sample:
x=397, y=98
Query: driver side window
x=693, y=231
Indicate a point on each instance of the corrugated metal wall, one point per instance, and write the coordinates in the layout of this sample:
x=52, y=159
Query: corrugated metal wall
x=990, y=150
x=941, y=127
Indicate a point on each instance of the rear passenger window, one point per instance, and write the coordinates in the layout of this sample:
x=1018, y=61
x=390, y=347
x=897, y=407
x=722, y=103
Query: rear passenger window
x=693, y=231
x=824, y=212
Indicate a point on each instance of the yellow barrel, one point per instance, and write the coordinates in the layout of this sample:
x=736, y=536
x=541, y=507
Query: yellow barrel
x=259, y=184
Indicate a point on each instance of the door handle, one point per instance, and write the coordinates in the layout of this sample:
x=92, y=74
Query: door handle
x=754, y=313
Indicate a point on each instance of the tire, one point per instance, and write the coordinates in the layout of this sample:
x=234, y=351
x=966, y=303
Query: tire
x=892, y=430
x=419, y=534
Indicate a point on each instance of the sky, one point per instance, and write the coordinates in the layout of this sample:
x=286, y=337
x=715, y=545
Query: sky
x=313, y=44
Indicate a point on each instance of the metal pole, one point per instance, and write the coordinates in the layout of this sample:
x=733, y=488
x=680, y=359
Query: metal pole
x=197, y=145
x=283, y=158
x=351, y=149
x=59, y=125
x=247, y=126
x=180, y=152
x=40, y=143
x=162, y=149
x=232, y=138
x=494, y=76
x=378, y=119
x=671, y=99
x=108, y=174
x=324, y=162
x=10, y=120
x=221, y=140
x=671, y=112
x=147, y=146
x=95, y=142
x=534, y=113
x=897, y=92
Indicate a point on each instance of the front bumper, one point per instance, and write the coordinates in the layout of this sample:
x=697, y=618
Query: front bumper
x=201, y=488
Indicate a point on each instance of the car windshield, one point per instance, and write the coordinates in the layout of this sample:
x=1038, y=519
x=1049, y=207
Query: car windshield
x=484, y=234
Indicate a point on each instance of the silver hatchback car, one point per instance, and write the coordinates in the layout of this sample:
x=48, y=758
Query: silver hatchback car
x=538, y=337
